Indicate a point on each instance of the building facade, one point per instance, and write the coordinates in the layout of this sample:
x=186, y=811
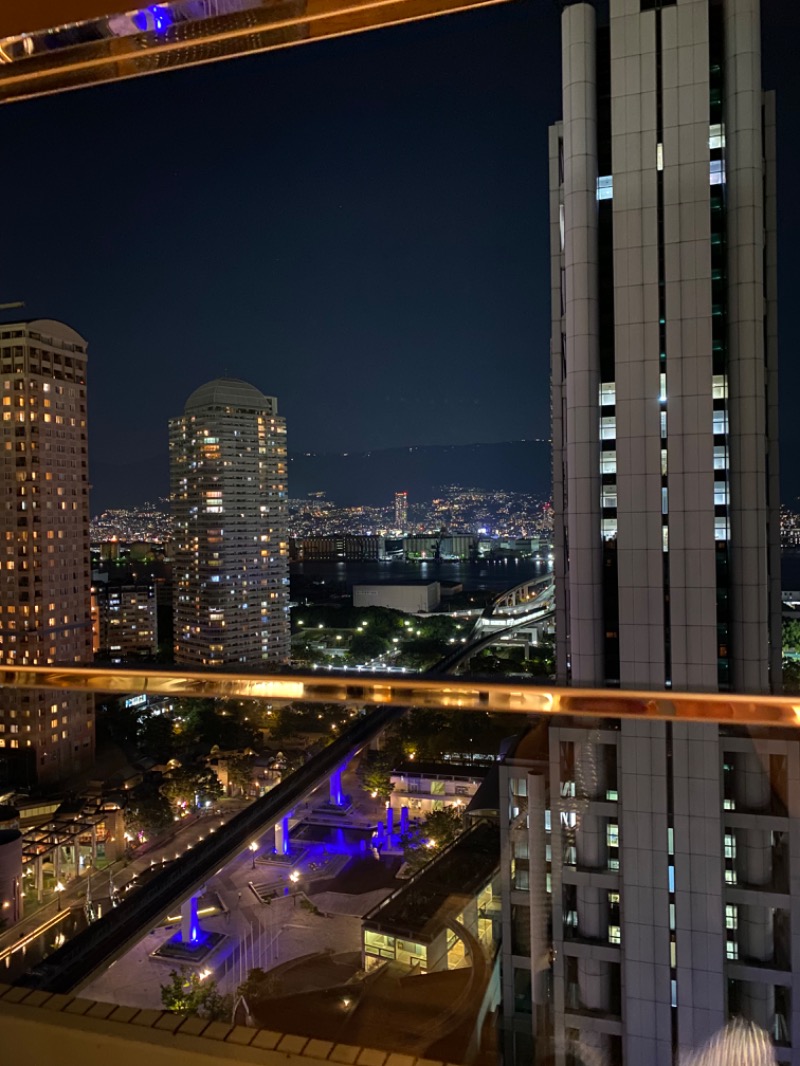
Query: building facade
x=419, y=597
x=125, y=619
x=664, y=349
x=228, y=471
x=45, y=582
x=340, y=546
x=627, y=848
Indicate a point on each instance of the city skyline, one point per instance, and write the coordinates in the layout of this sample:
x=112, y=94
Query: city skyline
x=427, y=351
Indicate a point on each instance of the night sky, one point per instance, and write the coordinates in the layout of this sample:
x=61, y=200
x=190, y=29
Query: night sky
x=358, y=227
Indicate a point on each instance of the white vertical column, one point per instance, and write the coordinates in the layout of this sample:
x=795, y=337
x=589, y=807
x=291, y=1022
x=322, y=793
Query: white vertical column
x=540, y=948
x=747, y=386
x=582, y=379
x=644, y=893
x=699, y=883
x=557, y=403
x=636, y=339
x=689, y=366
x=773, y=466
x=594, y=975
x=754, y=868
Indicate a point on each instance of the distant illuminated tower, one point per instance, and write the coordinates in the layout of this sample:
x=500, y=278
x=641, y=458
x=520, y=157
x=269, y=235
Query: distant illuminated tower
x=400, y=510
x=228, y=490
x=44, y=527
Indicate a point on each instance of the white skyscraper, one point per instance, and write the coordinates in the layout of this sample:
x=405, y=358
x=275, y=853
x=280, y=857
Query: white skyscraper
x=228, y=487
x=664, y=349
x=666, y=854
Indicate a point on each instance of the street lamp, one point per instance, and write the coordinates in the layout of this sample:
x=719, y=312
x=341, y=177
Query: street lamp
x=294, y=876
x=59, y=889
x=253, y=849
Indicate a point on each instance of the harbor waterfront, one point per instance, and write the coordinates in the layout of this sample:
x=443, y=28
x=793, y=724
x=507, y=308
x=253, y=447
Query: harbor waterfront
x=331, y=580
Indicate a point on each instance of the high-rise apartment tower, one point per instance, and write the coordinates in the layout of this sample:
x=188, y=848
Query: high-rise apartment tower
x=45, y=575
x=652, y=901
x=228, y=488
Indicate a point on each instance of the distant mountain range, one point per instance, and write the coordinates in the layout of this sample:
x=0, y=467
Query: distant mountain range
x=370, y=478
x=373, y=477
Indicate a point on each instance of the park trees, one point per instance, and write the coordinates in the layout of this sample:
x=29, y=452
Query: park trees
x=374, y=775
x=430, y=836
x=189, y=787
x=188, y=992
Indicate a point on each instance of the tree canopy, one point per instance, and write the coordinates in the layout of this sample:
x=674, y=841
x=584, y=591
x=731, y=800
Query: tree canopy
x=187, y=786
x=188, y=993
x=374, y=774
x=427, y=838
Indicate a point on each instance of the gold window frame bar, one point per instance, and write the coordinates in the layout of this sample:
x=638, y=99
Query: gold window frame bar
x=421, y=690
x=261, y=27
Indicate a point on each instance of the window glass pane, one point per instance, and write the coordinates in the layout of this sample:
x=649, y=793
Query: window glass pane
x=605, y=187
x=608, y=428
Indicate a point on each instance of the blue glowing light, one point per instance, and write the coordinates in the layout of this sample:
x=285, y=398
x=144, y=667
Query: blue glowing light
x=152, y=17
x=336, y=794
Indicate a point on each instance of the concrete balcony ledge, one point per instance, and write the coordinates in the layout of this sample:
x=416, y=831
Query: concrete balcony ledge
x=772, y=895
x=589, y=948
x=604, y=1022
x=759, y=972
x=34, y=1022
x=584, y=875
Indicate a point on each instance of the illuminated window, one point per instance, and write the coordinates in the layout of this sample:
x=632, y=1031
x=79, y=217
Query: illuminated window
x=608, y=428
x=720, y=422
x=605, y=187
x=608, y=462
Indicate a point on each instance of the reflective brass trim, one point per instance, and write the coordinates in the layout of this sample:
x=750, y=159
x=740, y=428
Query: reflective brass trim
x=101, y=57
x=421, y=690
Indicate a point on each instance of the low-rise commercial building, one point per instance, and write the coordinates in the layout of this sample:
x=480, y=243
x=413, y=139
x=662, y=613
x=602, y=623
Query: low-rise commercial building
x=434, y=921
x=425, y=787
x=411, y=597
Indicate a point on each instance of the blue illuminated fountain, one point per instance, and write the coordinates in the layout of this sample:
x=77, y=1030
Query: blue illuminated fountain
x=190, y=944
